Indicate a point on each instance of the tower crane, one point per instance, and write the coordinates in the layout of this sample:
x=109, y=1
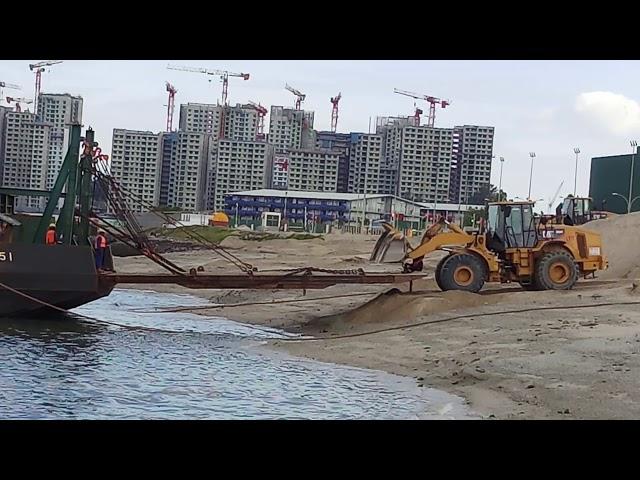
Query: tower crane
x=18, y=101
x=170, y=105
x=416, y=116
x=334, y=112
x=38, y=68
x=262, y=111
x=553, y=199
x=299, y=95
x=223, y=74
x=8, y=85
x=432, y=101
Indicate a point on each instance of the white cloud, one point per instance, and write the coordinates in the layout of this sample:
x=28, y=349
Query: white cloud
x=620, y=115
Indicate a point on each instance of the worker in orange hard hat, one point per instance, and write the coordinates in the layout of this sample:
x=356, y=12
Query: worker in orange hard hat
x=50, y=239
x=100, y=249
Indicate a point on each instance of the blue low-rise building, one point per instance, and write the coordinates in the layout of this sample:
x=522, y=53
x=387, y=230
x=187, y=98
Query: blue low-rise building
x=295, y=206
x=338, y=209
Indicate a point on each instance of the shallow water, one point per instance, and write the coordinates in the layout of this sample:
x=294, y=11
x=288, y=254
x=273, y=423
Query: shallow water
x=187, y=366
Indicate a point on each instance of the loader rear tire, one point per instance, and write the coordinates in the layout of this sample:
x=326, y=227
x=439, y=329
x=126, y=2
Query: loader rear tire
x=556, y=271
x=463, y=271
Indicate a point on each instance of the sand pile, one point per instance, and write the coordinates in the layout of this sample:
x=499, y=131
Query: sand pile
x=232, y=242
x=393, y=306
x=314, y=247
x=621, y=244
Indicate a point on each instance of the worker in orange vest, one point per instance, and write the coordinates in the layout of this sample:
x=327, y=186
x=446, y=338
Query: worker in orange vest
x=101, y=249
x=51, y=235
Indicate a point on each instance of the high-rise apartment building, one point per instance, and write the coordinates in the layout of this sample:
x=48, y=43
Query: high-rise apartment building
x=425, y=164
x=188, y=171
x=340, y=144
x=240, y=165
x=26, y=148
x=59, y=111
x=240, y=121
x=200, y=118
x=290, y=128
x=313, y=170
x=169, y=145
x=3, y=113
x=365, y=159
x=136, y=165
x=280, y=174
x=471, y=169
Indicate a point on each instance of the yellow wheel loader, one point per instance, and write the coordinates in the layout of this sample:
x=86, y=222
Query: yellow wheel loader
x=513, y=246
x=577, y=211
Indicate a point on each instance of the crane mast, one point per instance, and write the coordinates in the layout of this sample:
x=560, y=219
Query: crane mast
x=38, y=69
x=170, y=105
x=334, y=112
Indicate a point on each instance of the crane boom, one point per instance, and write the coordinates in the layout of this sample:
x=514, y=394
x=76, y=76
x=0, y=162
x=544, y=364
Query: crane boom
x=433, y=101
x=18, y=101
x=223, y=74
x=218, y=73
x=10, y=85
x=299, y=95
x=46, y=63
x=408, y=94
x=553, y=199
x=258, y=107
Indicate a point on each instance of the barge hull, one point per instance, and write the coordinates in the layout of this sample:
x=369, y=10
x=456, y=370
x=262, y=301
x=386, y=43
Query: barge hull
x=60, y=275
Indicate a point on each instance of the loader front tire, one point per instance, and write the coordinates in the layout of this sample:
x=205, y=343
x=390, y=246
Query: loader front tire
x=556, y=270
x=439, y=269
x=462, y=271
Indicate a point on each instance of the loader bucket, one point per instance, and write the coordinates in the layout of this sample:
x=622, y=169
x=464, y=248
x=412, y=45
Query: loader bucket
x=391, y=247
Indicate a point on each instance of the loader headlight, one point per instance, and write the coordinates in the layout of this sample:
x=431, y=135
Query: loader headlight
x=594, y=251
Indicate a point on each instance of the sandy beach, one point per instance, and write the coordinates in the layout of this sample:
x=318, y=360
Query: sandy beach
x=557, y=354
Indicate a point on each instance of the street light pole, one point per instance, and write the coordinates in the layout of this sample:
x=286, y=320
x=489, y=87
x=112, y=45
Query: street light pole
x=575, y=178
x=364, y=217
x=284, y=212
x=633, y=144
x=532, y=155
x=616, y=194
x=435, y=197
x=500, y=184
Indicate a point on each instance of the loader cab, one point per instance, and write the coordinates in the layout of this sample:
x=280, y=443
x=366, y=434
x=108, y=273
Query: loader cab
x=576, y=210
x=511, y=225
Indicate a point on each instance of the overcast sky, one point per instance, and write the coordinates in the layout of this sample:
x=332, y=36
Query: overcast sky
x=548, y=107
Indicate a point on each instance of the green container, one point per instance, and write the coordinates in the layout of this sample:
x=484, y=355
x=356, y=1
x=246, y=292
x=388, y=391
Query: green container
x=611, y=175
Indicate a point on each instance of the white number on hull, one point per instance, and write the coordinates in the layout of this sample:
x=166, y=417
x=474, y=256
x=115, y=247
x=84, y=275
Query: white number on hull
x=6, y=257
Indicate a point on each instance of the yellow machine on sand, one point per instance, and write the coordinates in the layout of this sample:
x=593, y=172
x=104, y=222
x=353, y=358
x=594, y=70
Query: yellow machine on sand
x=513, y=246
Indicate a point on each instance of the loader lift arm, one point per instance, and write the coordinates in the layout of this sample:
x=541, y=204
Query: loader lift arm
x=433, y=239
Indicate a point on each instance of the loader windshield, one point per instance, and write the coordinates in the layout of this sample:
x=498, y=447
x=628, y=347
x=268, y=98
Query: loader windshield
x=576, y=210
x=512, y=224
